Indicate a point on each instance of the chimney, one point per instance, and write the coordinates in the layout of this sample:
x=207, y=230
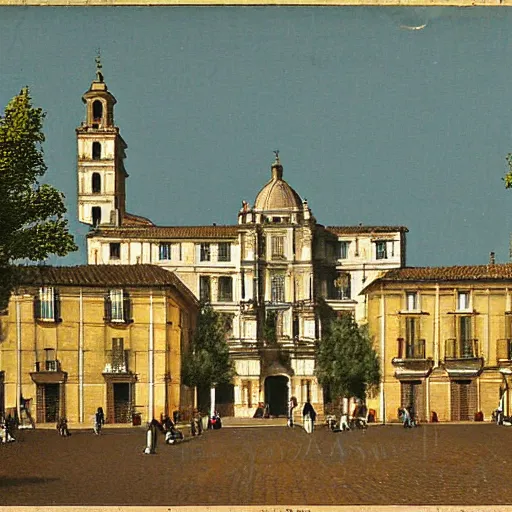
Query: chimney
x=492, y=259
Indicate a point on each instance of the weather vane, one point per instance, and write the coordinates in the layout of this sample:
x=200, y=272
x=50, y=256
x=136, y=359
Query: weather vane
x=276, y=152
x=99, y=66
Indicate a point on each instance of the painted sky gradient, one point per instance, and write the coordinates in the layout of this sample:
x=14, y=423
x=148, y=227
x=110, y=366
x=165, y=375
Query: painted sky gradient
x=376, y=123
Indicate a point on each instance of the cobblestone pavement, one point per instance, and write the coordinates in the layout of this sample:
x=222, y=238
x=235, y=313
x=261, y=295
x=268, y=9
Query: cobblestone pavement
x=430, y=465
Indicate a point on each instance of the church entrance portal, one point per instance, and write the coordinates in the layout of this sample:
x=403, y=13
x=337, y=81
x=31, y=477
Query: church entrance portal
x=276, y=395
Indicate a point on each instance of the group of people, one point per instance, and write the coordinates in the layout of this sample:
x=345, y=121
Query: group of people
x=308, y=414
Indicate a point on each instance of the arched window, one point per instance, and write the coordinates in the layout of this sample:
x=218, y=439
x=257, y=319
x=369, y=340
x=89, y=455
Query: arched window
x=96, y=151
x=96, y=215
x=97, y=111
x=96, y=183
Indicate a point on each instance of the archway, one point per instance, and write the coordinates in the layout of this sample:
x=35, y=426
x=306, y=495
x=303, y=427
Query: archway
x=276, y=395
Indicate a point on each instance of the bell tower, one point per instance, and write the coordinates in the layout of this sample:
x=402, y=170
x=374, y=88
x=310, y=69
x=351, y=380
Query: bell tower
x=101, y=154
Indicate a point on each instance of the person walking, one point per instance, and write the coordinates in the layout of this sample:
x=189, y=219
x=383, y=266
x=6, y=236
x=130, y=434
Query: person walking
x=99, y=420
x=309, y=416
x=406, y=418
x=291, y=406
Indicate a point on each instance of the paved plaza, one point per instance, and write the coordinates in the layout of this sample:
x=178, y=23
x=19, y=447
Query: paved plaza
x=269, y=465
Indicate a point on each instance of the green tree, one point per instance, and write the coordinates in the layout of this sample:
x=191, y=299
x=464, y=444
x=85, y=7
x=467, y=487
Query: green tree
x=32, y=223
x=508, y=176
x=207, y=364
x=346, y=362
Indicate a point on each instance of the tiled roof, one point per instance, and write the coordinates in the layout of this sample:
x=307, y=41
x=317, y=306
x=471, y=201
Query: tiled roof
x=349, y=230
x=136, y=220
x=457, y=273
x=167, y=232
x=103, y=275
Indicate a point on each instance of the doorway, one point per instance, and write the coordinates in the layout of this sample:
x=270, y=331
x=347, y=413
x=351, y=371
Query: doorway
x=413, y=393
x=276, y=395
x=51, y=402
x=463, y=400
x=122, y=402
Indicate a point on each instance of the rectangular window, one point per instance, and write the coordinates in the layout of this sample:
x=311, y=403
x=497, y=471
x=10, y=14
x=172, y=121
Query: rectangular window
x=204, y=289
x=381, y=250
x=410, y=337
x=51, y=364
x=46, y=297
x=343, y=286
x=463, y=301
x=115, y=251
x=205, y=253
x=465, y=341
x=224, y=251
x=117, y=306
x=165, y=251
x=278, y=247
x=277, y=288
x=344, y=250
x=225, y=289
x=411, y=301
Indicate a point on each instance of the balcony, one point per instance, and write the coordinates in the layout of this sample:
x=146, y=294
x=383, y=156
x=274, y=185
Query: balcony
x=411, y=361
x=462, y=357
x=48, y=366
x=504, y=351
x=117, y=361
x=461, y=348
x=48, y=372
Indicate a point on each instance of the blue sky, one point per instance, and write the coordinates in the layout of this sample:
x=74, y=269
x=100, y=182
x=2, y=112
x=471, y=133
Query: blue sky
x=376, y=123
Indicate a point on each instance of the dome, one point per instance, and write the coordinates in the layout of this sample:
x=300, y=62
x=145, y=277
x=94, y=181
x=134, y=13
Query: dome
x=277, y=194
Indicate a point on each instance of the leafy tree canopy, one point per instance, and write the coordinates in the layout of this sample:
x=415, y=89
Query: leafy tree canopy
x=346, y=361
x=32, y=223
x=207, y=362
x=508, y=176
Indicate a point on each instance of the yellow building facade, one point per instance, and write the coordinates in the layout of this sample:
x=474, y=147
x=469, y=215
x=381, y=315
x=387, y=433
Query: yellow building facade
x=444, y=337
x=77, y=338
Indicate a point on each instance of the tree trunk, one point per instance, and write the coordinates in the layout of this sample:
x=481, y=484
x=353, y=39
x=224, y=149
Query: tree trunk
x=212, y=401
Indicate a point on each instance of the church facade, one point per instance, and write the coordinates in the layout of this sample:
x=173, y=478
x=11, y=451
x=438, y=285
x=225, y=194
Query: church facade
x=265, y=273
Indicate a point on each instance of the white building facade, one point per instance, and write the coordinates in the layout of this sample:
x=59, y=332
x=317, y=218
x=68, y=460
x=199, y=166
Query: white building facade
x=265, y=274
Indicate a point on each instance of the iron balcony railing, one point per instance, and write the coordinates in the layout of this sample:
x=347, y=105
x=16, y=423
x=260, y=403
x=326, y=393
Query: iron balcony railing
x=411, y=349
x=504, y=350
x=466, y=348
x=48, y=366
x=117, y=361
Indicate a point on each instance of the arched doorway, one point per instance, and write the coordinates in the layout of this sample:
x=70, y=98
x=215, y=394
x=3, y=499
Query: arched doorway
x=276, y=395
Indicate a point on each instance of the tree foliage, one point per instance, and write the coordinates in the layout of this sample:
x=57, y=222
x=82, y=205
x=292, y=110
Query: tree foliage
x=508, y=176
x=32, y=223
x=207, y=362
x=346, y=361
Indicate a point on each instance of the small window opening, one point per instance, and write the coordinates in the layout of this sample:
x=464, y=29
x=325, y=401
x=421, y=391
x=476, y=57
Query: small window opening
x=115, y=251
x=96, y=215
x=96, y=151
x=97, y=111
x=96, y=183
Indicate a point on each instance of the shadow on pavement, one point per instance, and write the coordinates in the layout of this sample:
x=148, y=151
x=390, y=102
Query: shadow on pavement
x=13, y=482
